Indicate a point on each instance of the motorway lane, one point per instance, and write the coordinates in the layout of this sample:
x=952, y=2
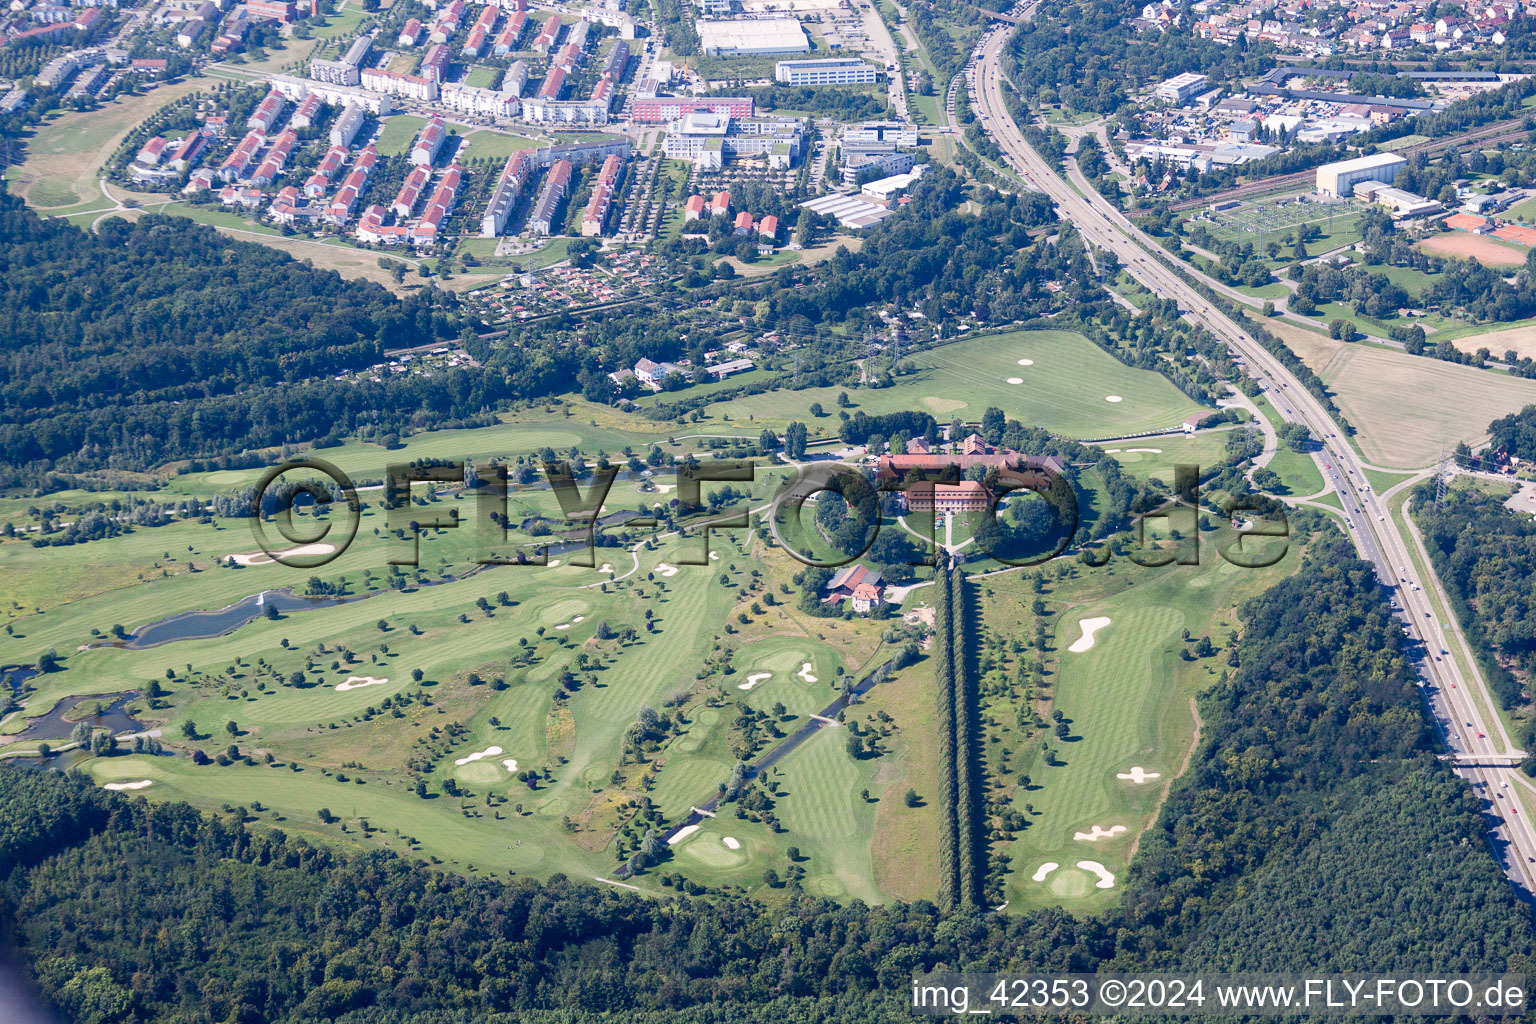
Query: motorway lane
x=1377, y=538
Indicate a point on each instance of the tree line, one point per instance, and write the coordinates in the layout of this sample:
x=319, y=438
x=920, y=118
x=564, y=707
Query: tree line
x=962, y=842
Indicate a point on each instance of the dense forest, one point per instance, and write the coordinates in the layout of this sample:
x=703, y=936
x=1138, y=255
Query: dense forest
x=1315, y=830
x=161, y=338
x=1486, y=557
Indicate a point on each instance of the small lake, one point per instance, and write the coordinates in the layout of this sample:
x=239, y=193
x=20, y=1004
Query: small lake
x=204, y=625
x=61, y=721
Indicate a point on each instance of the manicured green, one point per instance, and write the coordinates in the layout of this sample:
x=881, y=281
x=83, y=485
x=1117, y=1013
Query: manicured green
x=1064, y=390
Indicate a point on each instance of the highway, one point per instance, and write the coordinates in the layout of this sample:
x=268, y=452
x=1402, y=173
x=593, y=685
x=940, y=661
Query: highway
x=1449, y=693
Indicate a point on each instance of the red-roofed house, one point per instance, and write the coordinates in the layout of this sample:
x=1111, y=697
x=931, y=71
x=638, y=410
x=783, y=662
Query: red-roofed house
x=867, y=597
x=848, y=579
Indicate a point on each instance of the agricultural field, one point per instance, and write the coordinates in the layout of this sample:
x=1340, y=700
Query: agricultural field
x=1451, y=403
x=1069, y=385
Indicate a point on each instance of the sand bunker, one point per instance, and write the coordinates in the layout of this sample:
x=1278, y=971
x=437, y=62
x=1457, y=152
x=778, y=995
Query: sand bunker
x=117, y=786
x=510, y=764
x=664, y=569
x=1106, y=878
x=1043, y=870
x=606, y=567
x=1026, y=362
x=714, y=556
x=477, y=755
x=753, y=680
x=1099, y=832
x=1154, y=451
x=262, y=558
x=358, y=682
x=1138, y=775
x=665, y=488
x=1113, y=398
x=1015, y=380
x=552, y=563
x=730, y=843
x=564, y=625
x=1089, y=628
x=682, y=833
x=805, y=673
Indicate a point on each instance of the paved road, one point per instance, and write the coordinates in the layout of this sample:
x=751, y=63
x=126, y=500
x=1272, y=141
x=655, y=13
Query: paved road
x=1448, y=691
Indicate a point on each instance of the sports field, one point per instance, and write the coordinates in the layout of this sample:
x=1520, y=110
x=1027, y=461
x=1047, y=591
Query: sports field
x=1490, y=252
x=327, y=731
x=1069, y=385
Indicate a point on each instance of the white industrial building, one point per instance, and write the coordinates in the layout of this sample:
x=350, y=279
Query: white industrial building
x=1180, y=88
x=1340, y=179
x=825, y=71
x=748, y=37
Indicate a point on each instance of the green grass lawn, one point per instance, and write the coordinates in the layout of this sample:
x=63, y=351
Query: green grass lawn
x=1299, y=473
x=926, y=108
x=1065, y=389
x=342, y=22
x=1154, y=458
x=498, y=145
x=1524, y=212
x=483, y=77
x=1274, y=290
x=577, y=739
x=1415, y=282
x=398, y=133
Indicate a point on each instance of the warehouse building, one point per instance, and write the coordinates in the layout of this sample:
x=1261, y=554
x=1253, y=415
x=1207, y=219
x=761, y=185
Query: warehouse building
x=1338, y=180
x=742, y=37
